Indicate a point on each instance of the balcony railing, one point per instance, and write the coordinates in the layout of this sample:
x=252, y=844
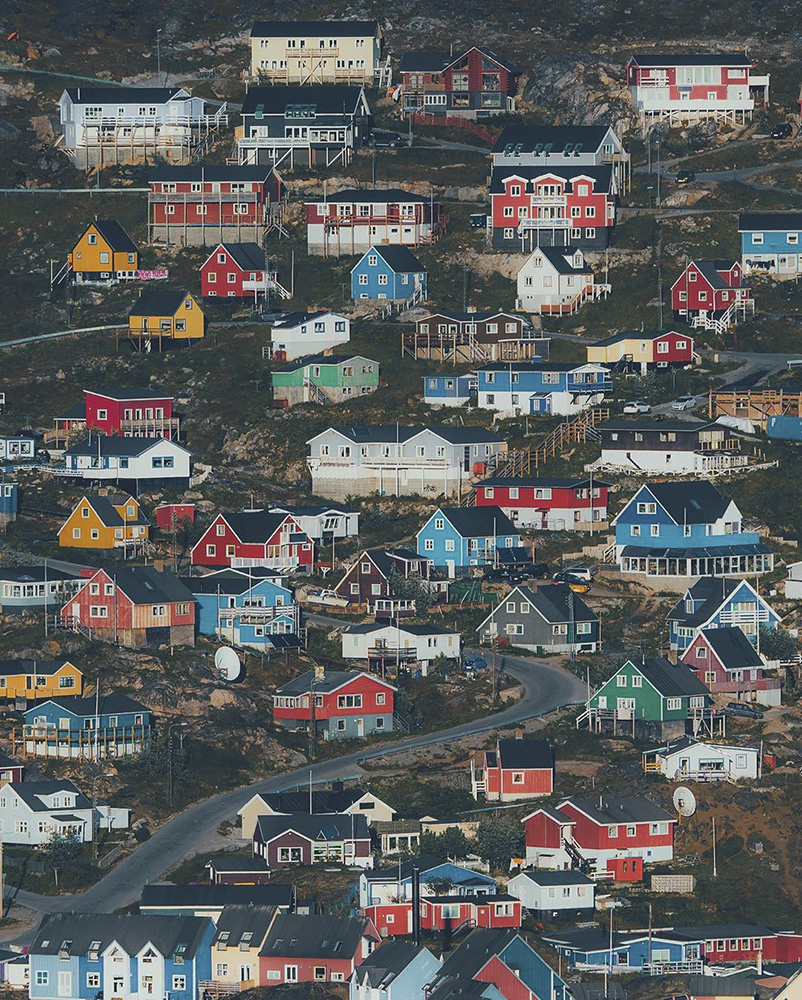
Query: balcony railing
x=204, y=198
x=548, y=199
x=528, y=224
x=255, y=615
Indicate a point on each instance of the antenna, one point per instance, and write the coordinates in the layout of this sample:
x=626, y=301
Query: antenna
x=684, y=802
x=228, y=664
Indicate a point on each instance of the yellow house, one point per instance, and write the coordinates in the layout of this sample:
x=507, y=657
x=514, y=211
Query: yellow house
x=105, y=523
x=241, y=931
x=166, y=313
x=39, y=679
x=105, y=253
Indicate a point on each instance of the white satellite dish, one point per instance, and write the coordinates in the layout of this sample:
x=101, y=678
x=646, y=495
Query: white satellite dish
x=684, y=801
x=228, y=664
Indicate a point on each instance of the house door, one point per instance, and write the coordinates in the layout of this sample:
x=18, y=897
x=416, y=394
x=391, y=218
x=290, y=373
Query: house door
x=65, y=984
x=685, y=765
x=450, y=569
x=360, y=727
x=466, y=459
x=626, y=706
x=244, y=973
x=290, y=973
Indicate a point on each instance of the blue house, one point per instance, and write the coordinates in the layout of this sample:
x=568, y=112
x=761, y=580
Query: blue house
x=248, y=608
x=379, y=885
x=771, y=243
x=780, y=427
x=78, y=956
x=684, y=530
x=449, y=390
x=589, y=948
x=389, y=272
x=455, y=538
x=515, y=390
x=113, y=726
x=715, y=602
x=9, y=503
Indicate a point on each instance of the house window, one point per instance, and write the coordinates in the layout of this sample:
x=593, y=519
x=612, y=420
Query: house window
x=673, y=704
x=179, y=982
x=637, y=681
x=93, y=980
x=621, y=680
x=631, y=831
x=320, y=973
x=517, y=778
x=349, y=701
x=288, y=855
x=757, y=239
x=380, y=698
x=612, y=831
x=647, y=508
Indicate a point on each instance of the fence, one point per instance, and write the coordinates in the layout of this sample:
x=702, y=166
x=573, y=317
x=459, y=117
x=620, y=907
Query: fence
x=445, y=121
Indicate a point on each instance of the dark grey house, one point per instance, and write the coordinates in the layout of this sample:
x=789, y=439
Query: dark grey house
x=544, y=621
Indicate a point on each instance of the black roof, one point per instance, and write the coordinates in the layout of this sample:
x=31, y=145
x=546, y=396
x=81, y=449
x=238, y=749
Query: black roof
x=616, y=338
x=323, y=360
x=526, y=753
x=394, y=432
x=330, y=681
x=82, y=931
x=542, y=876
x=113, y=704
x=560, y=259
x=559, y=136
x=691, y=59
x=30, y=792
x=672, y=680
x=249, y=256
x=691, y=502
x=606, y=809
x=401, y=259
x=324, y=800
x=328, y=99
x=146, y=585
x=312, y=936
x=124, y=94
x=158, y=302
x=423, y=862
x=732, y=648
x=651, y=424
x=236, y=863
x=114, y=234
x=475, y=522
x=130, y=392
x=711, y=591
x=773, y=221
x=289, y=29
x=425, y=61
x=37, y=574
x=541, y=482
x=254, y=526
x=391, y=195
x=384, y=964
x=110, y=516
x=602, y=176
x=462, y=964
x=164, y=895
x=210, y=172
x=328, y=826
x=213, y=584
x=552, y=601
x=13, y=668
x=243, y=924
x=114, y=444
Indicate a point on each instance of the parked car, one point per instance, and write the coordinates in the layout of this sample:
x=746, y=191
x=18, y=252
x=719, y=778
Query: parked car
x=637, y=406
x=329, y=598
x=737, y=709
x=385, y=140
x=504, y=574
x=576, y=584
x=579, y=571
x=685, y=177
x=474, y=662
x=684, y=403
x=537, y=571
x=782, y=131
x=270, y=316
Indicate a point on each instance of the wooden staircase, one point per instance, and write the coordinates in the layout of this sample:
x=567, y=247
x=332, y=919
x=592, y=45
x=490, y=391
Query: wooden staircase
x=581, y=428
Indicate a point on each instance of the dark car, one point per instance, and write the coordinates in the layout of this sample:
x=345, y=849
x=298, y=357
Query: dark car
x=385, y=140
x=504, y=574
x=782, y=131
x=271, y=315
x=537, y=571
x=576, y=583
x=739, y=709
x=474, y=662
x=685, y=177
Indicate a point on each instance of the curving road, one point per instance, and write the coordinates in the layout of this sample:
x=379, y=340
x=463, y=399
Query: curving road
x=546, y=688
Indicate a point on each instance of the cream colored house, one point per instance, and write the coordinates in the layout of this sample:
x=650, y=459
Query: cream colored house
x=301, y=52
x=338, y=800
x=240, y=934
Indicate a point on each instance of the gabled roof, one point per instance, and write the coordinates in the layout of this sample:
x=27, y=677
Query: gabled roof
x=478, y=522
x=332, y=99
x=37, y=574
x=691, y=59
x=316, y=937
x=712, y=592
x=246, y=925
x=331, y=680
x=146, y=585
x=158, y=302
x=114, y=444
x=391, y=433
x=324, y=360
x=108, y=514
x=213, y=172
x=462, y=964
x=711, y=272
x=602, y=176
x=590, y=137
x=29, y=792
x=384, y=964
x=292, y=29
x=299, y=318
x=131, y=392
x=247, y=256
x=526, y=754
x=124, y=95
x=324, y=827
x=236, y=863
x=83, y=708
x=551, y=601
x=425, y=863
x=541, y=482
x=167, y=896
x=400, y=259
x=618, y=338
x=671, y=680
x=114, y=234
x=132, y=931
x=544, y=877
x=324, y=800
x=425, y=61
x=770, y=221
x=692, y=502
x=607, y=809
x=651, y=424
x=373, y=195
x=366, y=628
x=561, y=259
x=732, y=648
x=254, y=527
x=15, y=668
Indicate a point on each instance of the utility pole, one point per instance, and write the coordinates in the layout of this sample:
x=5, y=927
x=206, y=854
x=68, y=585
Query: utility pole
x=715, y=866
x=158, y=57
x=170, y=778
x=659, y=200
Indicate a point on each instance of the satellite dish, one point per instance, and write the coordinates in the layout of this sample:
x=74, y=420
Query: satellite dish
x=684, y=801
x=228, y=664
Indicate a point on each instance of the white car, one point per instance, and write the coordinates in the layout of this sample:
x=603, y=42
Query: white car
x=578, y=572
x=684, y=403
x=637, y=406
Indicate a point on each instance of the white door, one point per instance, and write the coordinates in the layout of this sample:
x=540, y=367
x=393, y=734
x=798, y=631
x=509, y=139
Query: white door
x=360, y=727
x=626, y=706
x=290, y=973
x=65, y=984
x=450, y=569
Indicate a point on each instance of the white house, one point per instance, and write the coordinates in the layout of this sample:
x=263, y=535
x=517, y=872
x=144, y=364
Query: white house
x=323, y=523
x=556, y=281
x=413, y=647
x=396, y=460
x=303, y=333
x=105, y=125
x=16, y=448
x=555, y=894
x=687, y=759
x=793, y=582
x=31, y=811
x=129, y=460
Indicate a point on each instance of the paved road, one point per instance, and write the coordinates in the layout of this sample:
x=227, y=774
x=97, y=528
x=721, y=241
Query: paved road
x=546, y=688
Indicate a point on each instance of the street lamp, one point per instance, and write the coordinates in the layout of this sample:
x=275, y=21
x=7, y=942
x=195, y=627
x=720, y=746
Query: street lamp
x=175, y=725
x=650, y=188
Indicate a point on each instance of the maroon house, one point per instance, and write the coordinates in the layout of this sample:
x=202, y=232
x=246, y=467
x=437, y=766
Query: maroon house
x=304, y=839
x=10, y=769
x=726, y=661
x=369, y=580
x=130, y=412
x=476, y=84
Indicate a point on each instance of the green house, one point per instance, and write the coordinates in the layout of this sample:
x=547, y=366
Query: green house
x=650, y=697
x=325, y=378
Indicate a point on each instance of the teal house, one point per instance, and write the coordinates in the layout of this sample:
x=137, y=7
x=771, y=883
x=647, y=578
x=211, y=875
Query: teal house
x=333, y=378
x=112, y=726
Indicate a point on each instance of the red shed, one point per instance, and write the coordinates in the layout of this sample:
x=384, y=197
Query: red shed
x=456, y=913
x=170, y=516
x=391, y=919
x=516, y=769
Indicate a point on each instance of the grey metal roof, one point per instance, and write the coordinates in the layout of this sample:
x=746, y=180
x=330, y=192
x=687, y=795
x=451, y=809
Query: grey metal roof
x=399, y=258
x=616, y=338
x=318, y=937
x=373, y=195
x=544, y=877
x=559, y=136
x=602, y=176
x=330, y=681
x=37, y=574
x=84, y=708
x=692, y=59
x=328, y=826
x=712, y=591
x=325, y=360
x=167, y=896
x=552, y=601
x=246, y=924
x=425, y=61
x=109, y=516
x=29, y=792
x=124, y=95
x=544, y=482
x=770, y=221
x=299, y=318
x=732, y=648
x=610, y=809
x=213, y=172
x=291, y=29
x=384, y=964
x=462, y=964
x=672, y=680
x=114, y=444
x=479, y=522
x=389, y=433
x=79, y=931
x=254, y=526
x=248, y=256
x=158, y=302
x=131, y=392
x=234, y=863
x=560, y=260
x=694, y=501
x=330, y=99
x=114, y=234
x=526, y=753
x=324, y=800
x=423, y=862
x=146, y=585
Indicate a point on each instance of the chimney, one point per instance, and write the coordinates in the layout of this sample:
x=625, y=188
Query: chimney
x=416, y=906
x=320, y=672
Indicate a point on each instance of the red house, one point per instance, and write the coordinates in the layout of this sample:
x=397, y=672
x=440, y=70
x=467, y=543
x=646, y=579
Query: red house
x=209, y=204
x=309, y=949
x=133, y=607
x=604, y=831
x=516, y=769
x=727, y=662
x=476, y=84
x=711, y=294
x=391, y=919
x=459, y=913
x=547, y=504
x=347, y=703
x=312, y=838
x=171, y=516
x=254, y=538
x=10, y=769
x=237, y=271
x=132, y=412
